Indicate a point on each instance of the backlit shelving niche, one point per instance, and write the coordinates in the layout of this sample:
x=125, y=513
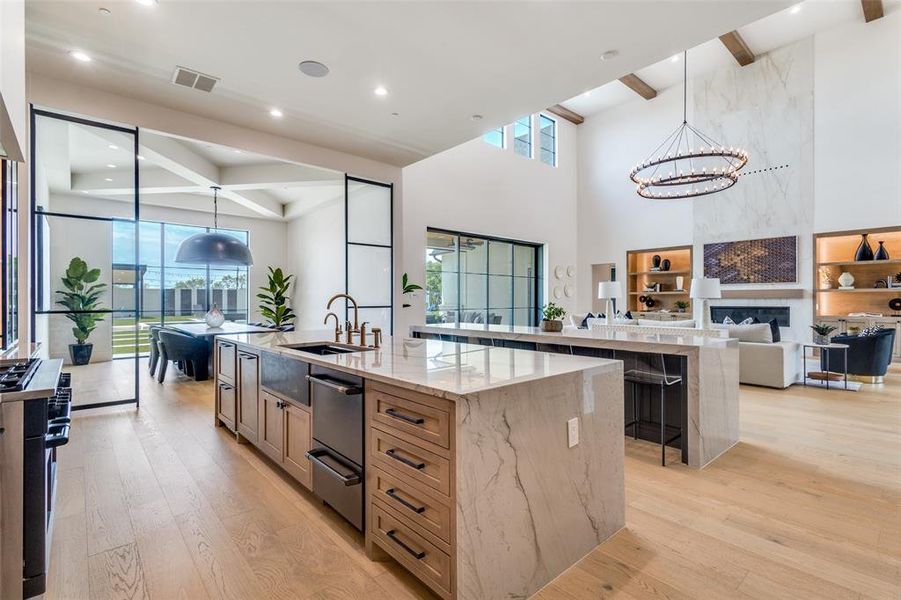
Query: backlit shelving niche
x=639, y=265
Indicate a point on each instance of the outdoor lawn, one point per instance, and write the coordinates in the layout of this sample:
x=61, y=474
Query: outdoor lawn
x=126, y=335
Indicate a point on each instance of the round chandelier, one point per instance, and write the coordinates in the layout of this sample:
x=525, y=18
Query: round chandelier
x=687, y=163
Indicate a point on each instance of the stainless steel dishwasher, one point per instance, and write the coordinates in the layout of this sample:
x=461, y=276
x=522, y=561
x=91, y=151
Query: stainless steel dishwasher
x=337, y=453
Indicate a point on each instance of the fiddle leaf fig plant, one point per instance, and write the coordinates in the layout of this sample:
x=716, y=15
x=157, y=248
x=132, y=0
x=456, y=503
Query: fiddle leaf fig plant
x=81, y=295
x=274, y=299
x=408, y=288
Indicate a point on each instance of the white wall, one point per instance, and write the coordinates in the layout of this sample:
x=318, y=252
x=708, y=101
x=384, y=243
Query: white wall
x=481, y=189
x=315, y=255
x=823, y=105
x=13, y=108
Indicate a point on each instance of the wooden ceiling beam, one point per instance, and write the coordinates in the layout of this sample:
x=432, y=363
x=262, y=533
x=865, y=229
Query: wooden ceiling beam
x=564, y=113
x=736, y=45
x=637, y=85
x=872, y=9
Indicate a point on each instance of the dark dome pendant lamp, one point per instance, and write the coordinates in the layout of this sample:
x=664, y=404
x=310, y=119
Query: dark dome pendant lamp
x=212, y=247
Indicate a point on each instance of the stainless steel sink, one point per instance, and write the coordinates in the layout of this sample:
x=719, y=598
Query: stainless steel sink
x=325, y=348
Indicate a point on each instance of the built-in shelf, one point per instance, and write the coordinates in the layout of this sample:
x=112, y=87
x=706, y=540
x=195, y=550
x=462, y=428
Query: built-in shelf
x=667, y=293
x=638, y=267
x=861, y=263
x=661, y=273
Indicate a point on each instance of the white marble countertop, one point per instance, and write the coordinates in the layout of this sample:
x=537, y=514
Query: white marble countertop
x=576, y=337
x=439, y=368
x=42, y=384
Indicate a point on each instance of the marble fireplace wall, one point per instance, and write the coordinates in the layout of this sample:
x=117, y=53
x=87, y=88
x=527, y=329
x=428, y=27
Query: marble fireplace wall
x=766, y=108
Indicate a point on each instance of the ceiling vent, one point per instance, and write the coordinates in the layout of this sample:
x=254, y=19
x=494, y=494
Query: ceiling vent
x=193, y=79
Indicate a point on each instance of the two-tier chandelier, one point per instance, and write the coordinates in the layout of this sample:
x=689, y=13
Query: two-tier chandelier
x=687, y=163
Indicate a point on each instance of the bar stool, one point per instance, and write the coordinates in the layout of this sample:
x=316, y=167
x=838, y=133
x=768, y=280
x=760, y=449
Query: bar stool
x=647, y=373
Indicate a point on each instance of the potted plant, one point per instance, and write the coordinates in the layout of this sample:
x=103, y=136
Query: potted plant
x=408, y=288
x=682, y=305
x=274, y=299
x=821, y=333
x=81, y=296
x=552, y=317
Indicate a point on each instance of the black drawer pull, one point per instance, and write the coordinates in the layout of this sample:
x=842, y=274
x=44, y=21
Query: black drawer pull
x=393, y=494
x=417, y=555
x=416, y=465
x=338, y=386
x=225, y=386
x=247, y=356
x=391, y=412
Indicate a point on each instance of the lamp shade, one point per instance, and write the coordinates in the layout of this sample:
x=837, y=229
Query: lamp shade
x=214, y=248
x=607, y=290
x=705, y=287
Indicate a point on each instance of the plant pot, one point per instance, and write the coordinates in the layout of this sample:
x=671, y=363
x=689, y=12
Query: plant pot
x=551, y=325
x=80, y=353
x=821, y=339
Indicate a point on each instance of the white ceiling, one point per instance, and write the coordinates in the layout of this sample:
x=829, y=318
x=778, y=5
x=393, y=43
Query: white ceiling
x=442, y=62
x=177, y=172
x=762, y=36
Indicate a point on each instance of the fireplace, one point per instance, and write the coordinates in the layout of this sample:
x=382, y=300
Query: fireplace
x=764, y=314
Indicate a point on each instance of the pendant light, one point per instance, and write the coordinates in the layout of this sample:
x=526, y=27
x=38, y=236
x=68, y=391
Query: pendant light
x=687, y=163
x=212, y=247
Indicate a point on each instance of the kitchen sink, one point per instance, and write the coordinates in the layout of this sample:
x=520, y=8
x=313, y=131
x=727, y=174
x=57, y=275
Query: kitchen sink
x=325, y=348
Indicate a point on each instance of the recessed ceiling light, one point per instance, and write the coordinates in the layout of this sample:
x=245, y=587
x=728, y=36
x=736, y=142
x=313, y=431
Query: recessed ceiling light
x=395, y=114
x=476, y=117
x=674, y=58
x=104, y=12
x=107, y=179
x=113, y=147
x=276, y=113
x=313, y=68
x=795, y=9
x=238, y=151
x=609, y=55
x=80, y=56
x=147, y=2
x=380, y=91
x=84, y=191
x=111, y=166
x=140, y=157
x=586, y=94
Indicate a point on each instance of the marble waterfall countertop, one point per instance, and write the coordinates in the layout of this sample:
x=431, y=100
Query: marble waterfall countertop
x=434, y=367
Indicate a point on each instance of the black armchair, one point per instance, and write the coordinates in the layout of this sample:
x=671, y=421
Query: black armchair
x=868, y=355
x=193, y=352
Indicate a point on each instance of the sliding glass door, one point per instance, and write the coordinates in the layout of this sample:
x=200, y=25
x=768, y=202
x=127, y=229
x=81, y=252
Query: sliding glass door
x=86, y=263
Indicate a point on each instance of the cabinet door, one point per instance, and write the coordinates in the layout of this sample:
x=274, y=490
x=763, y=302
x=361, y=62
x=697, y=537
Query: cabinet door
x=298, y=441
x=225, y=361
x=225, y=400
x=271, y=430
x=248, y=395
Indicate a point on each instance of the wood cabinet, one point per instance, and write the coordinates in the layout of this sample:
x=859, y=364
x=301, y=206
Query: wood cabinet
x=226, y=403
x=226, y=353
x=298, y=439
x=271, y=439
x=248, y=395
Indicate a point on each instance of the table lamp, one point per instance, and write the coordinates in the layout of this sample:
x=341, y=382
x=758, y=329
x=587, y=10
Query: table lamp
x=608, y=290
x=704, y=288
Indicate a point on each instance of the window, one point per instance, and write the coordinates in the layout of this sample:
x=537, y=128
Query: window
x=10, y=228
x=170, y=291
x=478, y=279
x=522, y=136
x=548, y=131
x=495, y=137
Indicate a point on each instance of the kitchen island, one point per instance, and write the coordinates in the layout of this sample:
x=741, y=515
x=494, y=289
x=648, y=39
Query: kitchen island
x=705, y=404
x=486, y=472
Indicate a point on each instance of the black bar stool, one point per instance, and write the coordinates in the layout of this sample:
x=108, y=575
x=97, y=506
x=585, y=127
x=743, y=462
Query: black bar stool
x=648, y=372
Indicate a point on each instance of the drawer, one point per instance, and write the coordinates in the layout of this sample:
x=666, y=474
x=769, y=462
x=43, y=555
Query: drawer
x=415, y=503
x=421, y=557
x=420, y=465
x=413, y=418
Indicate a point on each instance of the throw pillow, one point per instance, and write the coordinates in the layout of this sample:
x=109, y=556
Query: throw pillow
x=749, y=321
x=584, y=324
x=756, y=332
x=868, y=331
x=728, y=321
x=774, y=327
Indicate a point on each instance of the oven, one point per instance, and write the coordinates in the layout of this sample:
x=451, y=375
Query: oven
x=337, y=453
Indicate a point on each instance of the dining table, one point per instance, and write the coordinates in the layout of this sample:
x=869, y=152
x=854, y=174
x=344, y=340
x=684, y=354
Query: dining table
x=200, y=330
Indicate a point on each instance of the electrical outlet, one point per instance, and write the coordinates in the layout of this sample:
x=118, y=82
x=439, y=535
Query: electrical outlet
x=572, y=429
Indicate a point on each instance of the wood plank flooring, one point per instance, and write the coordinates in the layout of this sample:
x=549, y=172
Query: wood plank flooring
x=157, y=503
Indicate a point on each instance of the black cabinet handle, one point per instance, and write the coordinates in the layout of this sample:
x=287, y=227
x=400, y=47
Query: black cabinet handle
x=316, y=455
x=393, y=494
x=247, y=356
x=418, y=555
x=391, y=412
x=338, y=386
x=225, y=386
x=416, y=465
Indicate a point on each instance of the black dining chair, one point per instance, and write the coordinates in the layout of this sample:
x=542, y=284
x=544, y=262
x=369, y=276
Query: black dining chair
x=154, y=337
x=193, y=352
x=650, y=371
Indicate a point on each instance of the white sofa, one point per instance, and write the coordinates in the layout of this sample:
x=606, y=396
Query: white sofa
x=762, y=361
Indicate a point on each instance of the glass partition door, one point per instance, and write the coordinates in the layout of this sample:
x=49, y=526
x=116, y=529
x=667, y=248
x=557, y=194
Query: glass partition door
x=87, y=272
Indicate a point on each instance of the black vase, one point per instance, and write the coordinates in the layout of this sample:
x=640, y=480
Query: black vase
x=665, y=265
x=864, y=251
x=655, y=261
x=881, y=252
x=80, y=353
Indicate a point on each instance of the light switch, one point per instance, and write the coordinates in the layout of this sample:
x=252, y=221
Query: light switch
x=572, y=428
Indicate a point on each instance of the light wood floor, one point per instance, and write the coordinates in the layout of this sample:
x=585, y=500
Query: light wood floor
x=159, y=504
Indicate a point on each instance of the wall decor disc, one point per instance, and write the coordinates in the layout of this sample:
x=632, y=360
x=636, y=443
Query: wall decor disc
x=557, y=292
x=895, y=304
x=558, y=271
x=570, y=271
x=568, y=291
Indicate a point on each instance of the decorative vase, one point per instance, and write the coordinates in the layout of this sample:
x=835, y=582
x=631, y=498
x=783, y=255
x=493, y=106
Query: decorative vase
x=547, y=325
x=864, y=250
x=680, y=281
x=881, y=252
x=214, y=318
x=655, y=262
x=846, y=281
x=665, y=264
x=80, y=353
